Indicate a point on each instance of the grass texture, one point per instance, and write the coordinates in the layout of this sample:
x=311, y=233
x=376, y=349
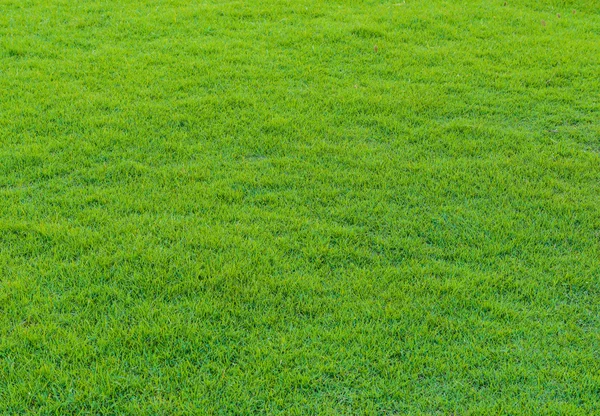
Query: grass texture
x=299, y=207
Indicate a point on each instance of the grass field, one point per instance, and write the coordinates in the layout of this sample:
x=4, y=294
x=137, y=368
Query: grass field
x=299, y=207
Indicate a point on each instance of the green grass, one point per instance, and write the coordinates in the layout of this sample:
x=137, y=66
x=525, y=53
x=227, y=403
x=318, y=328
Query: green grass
x=298, y=207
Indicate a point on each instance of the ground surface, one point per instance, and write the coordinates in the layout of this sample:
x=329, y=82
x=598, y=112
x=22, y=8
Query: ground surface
x=299, y=207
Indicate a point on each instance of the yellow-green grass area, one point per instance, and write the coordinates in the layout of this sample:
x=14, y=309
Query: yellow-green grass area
x=299, y=207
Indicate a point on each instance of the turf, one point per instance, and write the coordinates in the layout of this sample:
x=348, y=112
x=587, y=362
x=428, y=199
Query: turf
x=299, y=207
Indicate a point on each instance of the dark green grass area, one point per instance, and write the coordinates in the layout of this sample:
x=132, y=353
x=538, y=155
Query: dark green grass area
x=299, y=207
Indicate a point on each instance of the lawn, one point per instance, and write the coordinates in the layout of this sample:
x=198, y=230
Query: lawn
x=299, y=207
